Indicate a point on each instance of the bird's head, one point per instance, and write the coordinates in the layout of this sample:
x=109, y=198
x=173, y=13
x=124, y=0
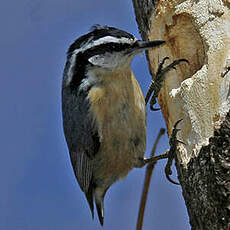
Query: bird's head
x=104, y=48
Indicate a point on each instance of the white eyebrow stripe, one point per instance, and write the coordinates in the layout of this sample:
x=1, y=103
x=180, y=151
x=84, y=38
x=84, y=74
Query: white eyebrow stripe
x=88, y=45
x=104, y=40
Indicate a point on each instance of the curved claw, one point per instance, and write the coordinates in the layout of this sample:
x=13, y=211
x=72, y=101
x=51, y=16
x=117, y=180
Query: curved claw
x=179, y=141
x=162, y=63
x=173, y=138
x=161, y=66
x=171, y=180
x=176, y=62
x=173, y=64
x=164, y=59
x=183, y=60
x=154, y=109
x=175, y=125
x=168, y=172
x=152, y=103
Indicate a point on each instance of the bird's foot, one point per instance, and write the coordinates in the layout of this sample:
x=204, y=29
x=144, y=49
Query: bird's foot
x=157, y=82
x=173, y=141
x=169, y=154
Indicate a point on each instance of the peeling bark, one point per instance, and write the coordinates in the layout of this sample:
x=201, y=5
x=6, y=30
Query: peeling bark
x=200, y=94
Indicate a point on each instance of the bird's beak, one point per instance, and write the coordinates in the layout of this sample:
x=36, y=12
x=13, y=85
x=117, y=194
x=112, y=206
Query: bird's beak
x=140, y=46
x=143, y=45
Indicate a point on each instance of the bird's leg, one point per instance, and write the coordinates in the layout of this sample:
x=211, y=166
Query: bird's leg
x=154, y=86
x=157, y=81
x=169, y=154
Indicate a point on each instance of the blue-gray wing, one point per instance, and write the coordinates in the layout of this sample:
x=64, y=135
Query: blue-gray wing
x=81, y=135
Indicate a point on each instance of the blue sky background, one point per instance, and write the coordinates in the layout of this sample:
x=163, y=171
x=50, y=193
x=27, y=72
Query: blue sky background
x=38, y=189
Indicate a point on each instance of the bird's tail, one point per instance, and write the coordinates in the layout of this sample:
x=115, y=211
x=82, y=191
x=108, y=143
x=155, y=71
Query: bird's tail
x=99, y=194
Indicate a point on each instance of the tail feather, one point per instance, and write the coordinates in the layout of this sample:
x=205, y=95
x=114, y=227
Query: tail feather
x=100, y=210
x=99, y=194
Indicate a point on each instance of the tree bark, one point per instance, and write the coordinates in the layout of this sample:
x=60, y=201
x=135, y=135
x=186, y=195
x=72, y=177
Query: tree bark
x=198, y=30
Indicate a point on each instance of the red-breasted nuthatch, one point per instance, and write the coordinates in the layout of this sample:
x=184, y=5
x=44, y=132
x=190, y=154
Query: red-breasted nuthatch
x=104, y=114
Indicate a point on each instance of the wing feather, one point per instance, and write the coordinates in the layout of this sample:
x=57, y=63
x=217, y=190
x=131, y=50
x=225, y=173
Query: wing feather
x=83, y=169
x=81, y=135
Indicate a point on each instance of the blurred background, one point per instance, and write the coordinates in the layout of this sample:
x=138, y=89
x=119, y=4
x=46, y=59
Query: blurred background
x=38, y=188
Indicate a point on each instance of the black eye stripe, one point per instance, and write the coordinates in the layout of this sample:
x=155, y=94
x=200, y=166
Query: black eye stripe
x=81, y=60
x=108, y=47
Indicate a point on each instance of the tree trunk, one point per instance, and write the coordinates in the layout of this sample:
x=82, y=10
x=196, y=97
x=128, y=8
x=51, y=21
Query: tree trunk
x=198, y=30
